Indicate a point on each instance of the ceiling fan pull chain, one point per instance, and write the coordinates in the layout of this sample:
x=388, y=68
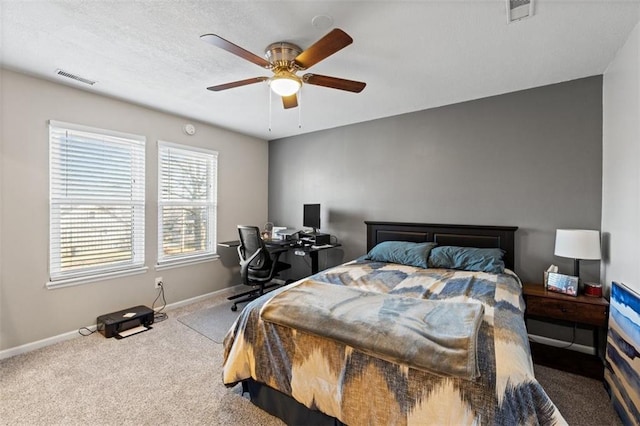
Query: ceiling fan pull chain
x=300, y=109
x=269, y=109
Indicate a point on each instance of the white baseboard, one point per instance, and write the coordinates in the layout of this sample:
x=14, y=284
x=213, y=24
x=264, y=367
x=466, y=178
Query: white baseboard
x=589, y=350
x=28, y=347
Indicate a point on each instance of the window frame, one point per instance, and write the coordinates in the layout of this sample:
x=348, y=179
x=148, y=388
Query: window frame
x=57, y=200
x=211, y=156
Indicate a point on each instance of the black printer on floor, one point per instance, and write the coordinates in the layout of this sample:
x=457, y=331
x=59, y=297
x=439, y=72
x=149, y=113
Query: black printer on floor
x=126, y=322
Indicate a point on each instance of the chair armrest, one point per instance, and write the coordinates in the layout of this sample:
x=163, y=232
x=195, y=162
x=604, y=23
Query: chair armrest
x=244, y=265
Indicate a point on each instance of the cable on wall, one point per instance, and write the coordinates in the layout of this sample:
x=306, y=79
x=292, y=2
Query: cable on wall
x=159, y=315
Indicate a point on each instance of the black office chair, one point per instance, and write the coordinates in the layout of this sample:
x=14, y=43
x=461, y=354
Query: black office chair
x=258, y=265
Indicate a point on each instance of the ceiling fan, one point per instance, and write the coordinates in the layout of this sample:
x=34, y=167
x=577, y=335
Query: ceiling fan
x=285, y=60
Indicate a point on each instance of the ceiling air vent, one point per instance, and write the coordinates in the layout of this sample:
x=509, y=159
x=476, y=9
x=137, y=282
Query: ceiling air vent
x=519, y=9
x=75, y=77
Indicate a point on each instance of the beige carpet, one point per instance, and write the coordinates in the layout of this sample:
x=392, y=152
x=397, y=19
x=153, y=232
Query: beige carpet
x=582, y=401
x=172, y=375
x=168, y=375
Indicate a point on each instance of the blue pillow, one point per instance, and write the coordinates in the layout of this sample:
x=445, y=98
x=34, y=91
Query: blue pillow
x=468, y=259
x=402, y=252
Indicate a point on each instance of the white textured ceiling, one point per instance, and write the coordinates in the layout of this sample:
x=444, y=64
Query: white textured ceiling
x=412, y=55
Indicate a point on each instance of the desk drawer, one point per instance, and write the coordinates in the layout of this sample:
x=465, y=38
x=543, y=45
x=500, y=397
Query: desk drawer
x=566, y=310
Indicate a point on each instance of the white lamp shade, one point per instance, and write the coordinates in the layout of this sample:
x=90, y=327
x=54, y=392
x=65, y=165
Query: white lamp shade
x=578, y=244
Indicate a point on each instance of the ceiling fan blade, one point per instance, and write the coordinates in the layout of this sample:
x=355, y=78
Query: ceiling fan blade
x=218, y=41
x=335, y=40
x=290, y=101
x=334, y=82
x=238, y=83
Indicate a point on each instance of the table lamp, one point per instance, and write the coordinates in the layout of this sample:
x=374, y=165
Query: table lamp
x=578, y=244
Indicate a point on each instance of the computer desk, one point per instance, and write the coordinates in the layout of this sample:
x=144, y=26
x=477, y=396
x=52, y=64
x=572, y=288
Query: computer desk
x=284, y=245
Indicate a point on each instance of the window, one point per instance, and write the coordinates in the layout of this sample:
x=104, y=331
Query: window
x=187, y=203
x=96, y=209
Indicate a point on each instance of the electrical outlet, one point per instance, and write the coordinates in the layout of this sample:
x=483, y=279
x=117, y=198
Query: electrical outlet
x=158, y=282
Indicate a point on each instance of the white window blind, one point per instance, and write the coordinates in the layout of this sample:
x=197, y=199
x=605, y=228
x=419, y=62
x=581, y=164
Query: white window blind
x=187, y=202
x=97, y=186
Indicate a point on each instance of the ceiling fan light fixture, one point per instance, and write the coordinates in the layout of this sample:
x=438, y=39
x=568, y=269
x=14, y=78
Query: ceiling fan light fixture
x=285, y=83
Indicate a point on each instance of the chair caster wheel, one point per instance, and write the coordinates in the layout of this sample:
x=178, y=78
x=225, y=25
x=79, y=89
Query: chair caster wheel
x=234, y=308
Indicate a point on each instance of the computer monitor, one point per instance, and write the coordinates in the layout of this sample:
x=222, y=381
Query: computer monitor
x=311, y=216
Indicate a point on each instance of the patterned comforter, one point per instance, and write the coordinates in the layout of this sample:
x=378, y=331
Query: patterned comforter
x=357, y=388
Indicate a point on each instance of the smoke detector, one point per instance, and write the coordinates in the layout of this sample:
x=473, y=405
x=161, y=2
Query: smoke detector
x=519, y=9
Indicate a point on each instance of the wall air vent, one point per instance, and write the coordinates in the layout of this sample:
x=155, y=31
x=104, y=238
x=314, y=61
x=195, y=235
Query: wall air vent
x=519, y=9
x=75, y=77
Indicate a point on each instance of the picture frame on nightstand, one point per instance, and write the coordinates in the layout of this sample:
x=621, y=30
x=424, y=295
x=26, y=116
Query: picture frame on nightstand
x=560, y=283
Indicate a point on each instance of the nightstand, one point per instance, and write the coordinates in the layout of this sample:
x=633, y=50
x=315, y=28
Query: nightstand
x=592, y=312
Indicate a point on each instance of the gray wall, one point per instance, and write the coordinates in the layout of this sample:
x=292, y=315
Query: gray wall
x=28, y=311
x=531, y=158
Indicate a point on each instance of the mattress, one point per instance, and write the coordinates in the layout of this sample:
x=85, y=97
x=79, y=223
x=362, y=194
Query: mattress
x=356, y=386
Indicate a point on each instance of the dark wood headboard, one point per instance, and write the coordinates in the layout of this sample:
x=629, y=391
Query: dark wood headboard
x=481, y=236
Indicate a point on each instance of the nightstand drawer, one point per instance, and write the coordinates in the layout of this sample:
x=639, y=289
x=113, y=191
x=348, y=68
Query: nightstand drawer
x=567, y=310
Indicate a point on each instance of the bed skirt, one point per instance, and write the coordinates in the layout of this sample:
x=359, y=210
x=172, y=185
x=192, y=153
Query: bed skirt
x=284, y=407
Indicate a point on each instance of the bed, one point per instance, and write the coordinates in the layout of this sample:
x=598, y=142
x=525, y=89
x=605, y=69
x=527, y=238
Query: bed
x=310, y=359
